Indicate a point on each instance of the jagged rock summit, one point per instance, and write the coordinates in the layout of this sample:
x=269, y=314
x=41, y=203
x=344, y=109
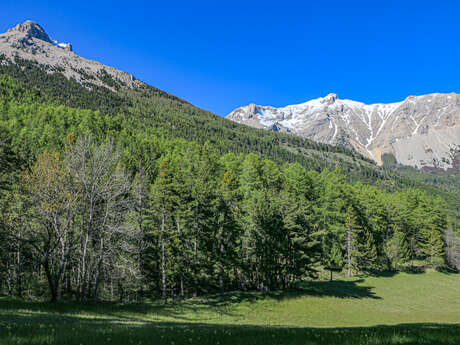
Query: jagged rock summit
x=26, y=32
x=421, y=131
x=32, y=29
x=29, y=41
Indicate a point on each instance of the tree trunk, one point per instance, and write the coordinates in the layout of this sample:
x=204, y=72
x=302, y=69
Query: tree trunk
x=181, y=278
x=141, y=222
x=18, y=272
x=83, y=268
x=52, y=283
x=195, y=271
x=99, y=269
x=349, y=252
x=163, y=254
x=221, y=269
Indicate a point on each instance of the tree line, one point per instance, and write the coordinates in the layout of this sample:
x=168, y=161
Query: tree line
x=80, y=223
x=41, y=106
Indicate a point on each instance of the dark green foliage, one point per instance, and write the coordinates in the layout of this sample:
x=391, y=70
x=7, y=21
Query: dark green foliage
x=51, y=84
x=223, y=206
x=389, y=160
x=8, y=159
x=108, y=80
x=148, y=112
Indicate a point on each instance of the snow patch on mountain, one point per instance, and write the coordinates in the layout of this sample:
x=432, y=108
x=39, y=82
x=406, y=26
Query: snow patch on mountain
x=371, y=129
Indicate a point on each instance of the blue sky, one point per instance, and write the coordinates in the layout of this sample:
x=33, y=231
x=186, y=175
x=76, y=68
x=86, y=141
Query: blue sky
x=220, y=55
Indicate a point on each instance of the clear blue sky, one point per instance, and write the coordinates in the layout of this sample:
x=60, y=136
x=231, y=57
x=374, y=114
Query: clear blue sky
x=222, y=54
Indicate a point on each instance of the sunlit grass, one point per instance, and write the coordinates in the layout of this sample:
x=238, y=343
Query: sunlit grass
x=400, y=309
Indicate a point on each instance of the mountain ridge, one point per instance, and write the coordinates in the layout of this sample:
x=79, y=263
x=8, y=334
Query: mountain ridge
x=29, y=41
x=51, y=71
x=421, y=131
x=141, y=117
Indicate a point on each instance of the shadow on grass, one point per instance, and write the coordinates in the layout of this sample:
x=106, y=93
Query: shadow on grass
x=21, y=328
x=221, y=304
x=384, y=274
x=419, y=270
x=414, y=270
x=336, y=288
x=183, y=310
x=449, y=270
x=111, y=311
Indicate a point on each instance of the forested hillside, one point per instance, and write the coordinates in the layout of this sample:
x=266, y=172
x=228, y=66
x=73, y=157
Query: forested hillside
x=122, y=193
x=45, y=107
x=80, y=226
x=146, y=113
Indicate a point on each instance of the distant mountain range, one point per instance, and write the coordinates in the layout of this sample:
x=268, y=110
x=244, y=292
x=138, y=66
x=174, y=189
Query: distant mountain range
x=29, y=55
x=421, y=131
x=48, y=91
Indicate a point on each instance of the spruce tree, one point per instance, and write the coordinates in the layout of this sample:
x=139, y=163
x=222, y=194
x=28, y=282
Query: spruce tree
x=434, y=247
x=164, y=202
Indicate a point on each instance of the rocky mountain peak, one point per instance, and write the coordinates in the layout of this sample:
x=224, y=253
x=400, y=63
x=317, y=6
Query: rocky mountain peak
x=32, y=29
x=421, y=131
x=25, y=33
x=252, y=108
x=330, y=98
x=29, y=41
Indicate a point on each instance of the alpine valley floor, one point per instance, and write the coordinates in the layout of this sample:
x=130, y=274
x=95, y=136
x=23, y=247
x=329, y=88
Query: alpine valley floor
x=393, y=308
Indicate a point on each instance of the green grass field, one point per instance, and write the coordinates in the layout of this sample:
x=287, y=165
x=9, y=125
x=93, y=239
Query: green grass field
x=392, y=309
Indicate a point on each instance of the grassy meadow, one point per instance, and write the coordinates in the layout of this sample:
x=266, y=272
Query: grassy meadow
x=398, y=308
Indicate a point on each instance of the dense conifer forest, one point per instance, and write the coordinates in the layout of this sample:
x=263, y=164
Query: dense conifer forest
x=116, y=194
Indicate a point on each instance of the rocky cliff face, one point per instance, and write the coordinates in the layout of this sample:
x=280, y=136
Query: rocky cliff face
x=421, y=131
x=29, y=41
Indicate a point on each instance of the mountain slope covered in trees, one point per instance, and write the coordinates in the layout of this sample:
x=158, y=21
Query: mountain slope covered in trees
x=45, y=107
x=146, y=112
x=109, y=191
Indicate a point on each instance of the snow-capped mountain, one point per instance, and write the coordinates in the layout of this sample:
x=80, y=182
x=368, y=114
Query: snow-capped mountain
x=421, y=131
x=29, y=41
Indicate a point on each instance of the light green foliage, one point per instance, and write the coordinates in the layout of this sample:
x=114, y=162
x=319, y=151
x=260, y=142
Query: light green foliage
x=227, y=207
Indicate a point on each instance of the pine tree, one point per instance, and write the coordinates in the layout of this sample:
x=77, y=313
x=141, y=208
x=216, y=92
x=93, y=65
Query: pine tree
x=435, y=235
x=354, y=233
x=301, y=249
x=164, y=201
x=141, y=196
x=332, y=255
x=369, y=259
x=227, y=229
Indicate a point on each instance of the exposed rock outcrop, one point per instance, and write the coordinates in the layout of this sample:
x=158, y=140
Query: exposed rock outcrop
x=30, y=41
x=32, y=30
x=421, y=131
